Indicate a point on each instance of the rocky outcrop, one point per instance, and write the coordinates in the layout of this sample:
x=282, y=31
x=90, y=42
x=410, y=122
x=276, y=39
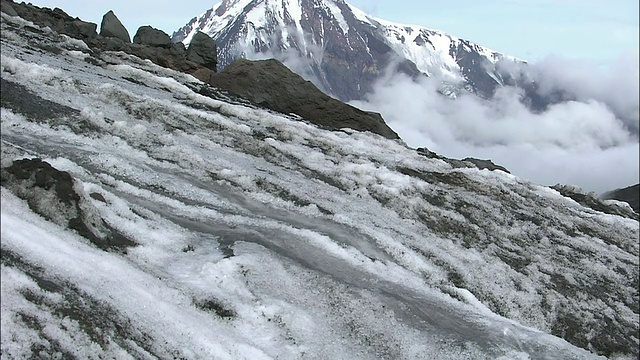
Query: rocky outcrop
x=267, y=83
x=591, y=201
x=149, y=43
x=271, y=84
x=485, y=164
x=466, y=162
x=630, y=195
x=146, y=35
x=55, y=195
x=56, y=19
x=112, y=27
x=6, y=8
x=203, y=50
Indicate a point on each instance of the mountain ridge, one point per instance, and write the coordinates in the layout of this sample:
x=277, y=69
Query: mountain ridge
x=341, y=48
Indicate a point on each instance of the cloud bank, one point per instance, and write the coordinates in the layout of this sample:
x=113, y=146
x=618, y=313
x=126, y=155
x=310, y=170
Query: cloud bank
x=590, y=140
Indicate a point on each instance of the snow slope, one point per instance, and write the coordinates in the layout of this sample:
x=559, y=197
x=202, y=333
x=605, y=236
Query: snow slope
x=260, y=236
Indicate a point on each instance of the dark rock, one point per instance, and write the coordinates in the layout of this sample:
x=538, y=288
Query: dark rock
x=146, y=35
x=19, y=99
x=466, y=162
x=113, y=44
x=151, y=44
x=428, y=153
x=203, y=74
x=178, y=49
x=80, y=29
x=271, y=84
x=630, y=195
x=56, y=196
x=169, y=57
x=112, y=27
x=55, y=19
x=485, y=164
x=6, y=8
x=456, y=164
x=591, y=201
x=215, y=307
x=98, y=196
x=203, y=50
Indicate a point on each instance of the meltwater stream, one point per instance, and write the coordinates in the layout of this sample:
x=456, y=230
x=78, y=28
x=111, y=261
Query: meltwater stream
x=305, y=240
x=422, y=309
x=226, y=215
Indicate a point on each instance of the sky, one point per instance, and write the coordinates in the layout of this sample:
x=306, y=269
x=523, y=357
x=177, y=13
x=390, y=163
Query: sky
x=595, y=30
x=528, y=29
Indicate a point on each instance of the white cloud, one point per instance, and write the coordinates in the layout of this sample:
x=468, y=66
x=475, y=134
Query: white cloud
x=616, y=85
x=591, y=141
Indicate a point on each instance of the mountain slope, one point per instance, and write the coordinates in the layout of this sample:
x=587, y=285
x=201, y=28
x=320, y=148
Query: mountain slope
x=258, y=235
x=340, y=47
x=630, y=195
x=271, y=84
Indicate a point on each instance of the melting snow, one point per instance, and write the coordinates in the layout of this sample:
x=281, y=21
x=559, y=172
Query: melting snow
x=261, y=236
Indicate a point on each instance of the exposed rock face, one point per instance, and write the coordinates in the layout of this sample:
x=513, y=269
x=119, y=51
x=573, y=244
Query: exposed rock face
x=591, y=201
x=55, y=19
x=7, y=8
x=271, y=84
x=485, y=164
x=630, y=195
x=202, y=50
x=267, y=83
x=151, y=43
x=178, y=49
x=112, y=27
x=466, y=162
x=146, y=35
x=55, y=195
x=345, y=51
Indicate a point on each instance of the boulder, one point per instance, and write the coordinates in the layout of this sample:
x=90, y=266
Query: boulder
x=146, y=35
x=149, y=43
x=112, y=27
x=203, y=50
x=59, y=198
x=178, y=49
x=271, y=84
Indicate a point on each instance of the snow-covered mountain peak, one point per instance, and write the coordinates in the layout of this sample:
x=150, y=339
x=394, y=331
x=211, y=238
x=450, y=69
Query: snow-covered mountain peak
x=340, y=47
